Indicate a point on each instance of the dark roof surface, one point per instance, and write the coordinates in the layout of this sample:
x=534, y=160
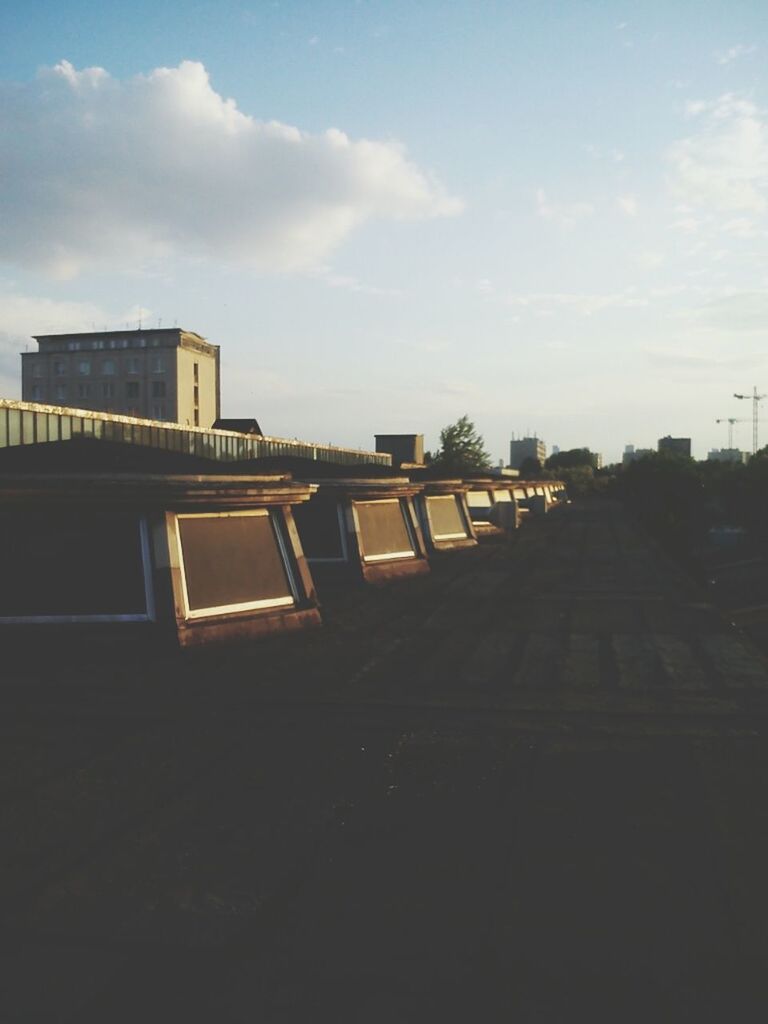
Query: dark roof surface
x=529, y=783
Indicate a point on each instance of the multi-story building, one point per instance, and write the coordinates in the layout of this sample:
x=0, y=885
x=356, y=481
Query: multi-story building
x=727, y=455
x=526, y=448
x=632, y=454
x=163, y=374
x=678, y=445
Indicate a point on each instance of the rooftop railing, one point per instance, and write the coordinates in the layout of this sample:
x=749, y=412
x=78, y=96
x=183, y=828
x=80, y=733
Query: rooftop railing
x=23, y=423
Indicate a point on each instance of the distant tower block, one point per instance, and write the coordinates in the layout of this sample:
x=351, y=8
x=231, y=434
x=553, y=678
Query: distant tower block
x=526, y=448
x=677, y=445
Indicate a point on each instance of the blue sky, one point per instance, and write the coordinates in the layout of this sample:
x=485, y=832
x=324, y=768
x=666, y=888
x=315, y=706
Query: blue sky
x=551, y=217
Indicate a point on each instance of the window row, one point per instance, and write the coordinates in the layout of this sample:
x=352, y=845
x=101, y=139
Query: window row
x=106, y=367
x=101, y=343
x=107, y=389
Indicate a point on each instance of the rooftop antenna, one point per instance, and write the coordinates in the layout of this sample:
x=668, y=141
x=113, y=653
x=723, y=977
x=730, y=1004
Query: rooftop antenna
x=756, y=399
x=159, y=322
x=139, y=323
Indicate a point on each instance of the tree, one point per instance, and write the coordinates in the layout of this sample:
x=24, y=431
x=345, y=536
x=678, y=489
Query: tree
x=462, y=449
x=572, y=458
x=531, y=468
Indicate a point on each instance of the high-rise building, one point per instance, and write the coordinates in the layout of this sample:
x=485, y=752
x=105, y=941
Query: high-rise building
x=163, y=374
x=678, y=445
x=526, y=448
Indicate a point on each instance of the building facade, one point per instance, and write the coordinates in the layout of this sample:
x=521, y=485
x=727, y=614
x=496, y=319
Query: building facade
x=526, y=448
x=727, y=455
x=164, y=374
x=677, y=445
x=632, y=454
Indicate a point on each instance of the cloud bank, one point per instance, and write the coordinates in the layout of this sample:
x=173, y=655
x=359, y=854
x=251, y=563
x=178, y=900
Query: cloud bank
x=723, y=165
x=98, y=171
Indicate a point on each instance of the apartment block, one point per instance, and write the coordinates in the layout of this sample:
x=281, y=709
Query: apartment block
x=526, y=448
x=164, y=374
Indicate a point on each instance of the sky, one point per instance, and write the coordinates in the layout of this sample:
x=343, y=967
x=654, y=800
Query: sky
x=550, y=217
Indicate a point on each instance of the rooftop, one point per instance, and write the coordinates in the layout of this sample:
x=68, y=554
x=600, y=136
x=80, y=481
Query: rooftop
x=531, y=781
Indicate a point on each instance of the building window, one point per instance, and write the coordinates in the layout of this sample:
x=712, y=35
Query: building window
x=158, y=389
x=197, y=417
x=59, y=368
x=123, y=343
x=108, y=367
x=98, y=344
x=132, y=389
x=35, y=393
x=108, y=389
x=196, y=372
x=113, y=342
x=158, y=412
x=232, y=562
x=61, y=392
x=37, y=368
x=158, y=364
x=84, y=367
x=73, y=346
x=83, y=390
x=132, y=364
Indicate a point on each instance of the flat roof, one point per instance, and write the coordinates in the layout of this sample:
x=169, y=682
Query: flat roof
x=121, y=334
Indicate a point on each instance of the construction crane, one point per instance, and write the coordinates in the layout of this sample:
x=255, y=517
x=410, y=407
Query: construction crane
x=756, y=400
x=730, y=420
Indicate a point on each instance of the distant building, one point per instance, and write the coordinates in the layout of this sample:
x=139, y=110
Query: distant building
x=632, y=454
x=526, y=448
x=677, y=445
x=164, y=374
x=727, y=455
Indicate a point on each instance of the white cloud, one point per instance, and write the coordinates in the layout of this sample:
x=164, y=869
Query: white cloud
x=724, y=165
x=627, y=205
x=743, y=227
x=650, y=259
x=22, y=316
x=733, y=53
x=548, y=303
x=350, y=283
x=119, y=173
x=691, y=361
x=565, y=215
x=743, y=312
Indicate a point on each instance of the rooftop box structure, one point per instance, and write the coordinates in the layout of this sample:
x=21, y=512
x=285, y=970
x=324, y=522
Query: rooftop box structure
x=199, y=558
x=366, y=528
x=405, y=449
x=444, y=515
x=482, y=495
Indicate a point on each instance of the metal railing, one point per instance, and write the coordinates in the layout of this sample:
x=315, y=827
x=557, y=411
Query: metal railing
x=23, y=423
